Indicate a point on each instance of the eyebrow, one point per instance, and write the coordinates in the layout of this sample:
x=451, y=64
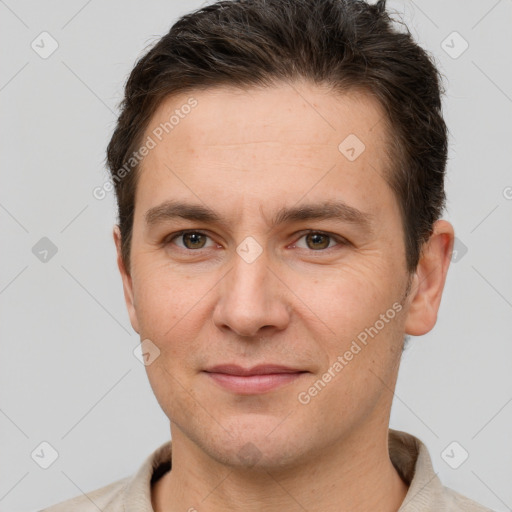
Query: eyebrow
x=330, y=210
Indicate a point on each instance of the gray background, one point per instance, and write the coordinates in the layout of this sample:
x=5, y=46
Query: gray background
x=68, y=375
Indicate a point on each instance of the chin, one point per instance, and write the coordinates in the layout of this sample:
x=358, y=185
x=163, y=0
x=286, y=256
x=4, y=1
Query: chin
x=256, y=444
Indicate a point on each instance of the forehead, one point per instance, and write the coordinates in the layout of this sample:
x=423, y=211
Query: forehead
x=299, y=113
x=277, y=143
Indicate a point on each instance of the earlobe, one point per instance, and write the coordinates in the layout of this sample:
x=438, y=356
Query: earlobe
x=127, y=280
x=429, y=280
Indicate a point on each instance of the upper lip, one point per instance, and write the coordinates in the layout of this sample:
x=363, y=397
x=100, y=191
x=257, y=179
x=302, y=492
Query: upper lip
x=262, y=369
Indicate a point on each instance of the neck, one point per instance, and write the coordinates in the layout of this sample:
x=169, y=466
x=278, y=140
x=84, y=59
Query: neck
x=354, y=475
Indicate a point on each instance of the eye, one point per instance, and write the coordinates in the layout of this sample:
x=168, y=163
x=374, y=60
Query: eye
x=317, y=241
x=191, y=240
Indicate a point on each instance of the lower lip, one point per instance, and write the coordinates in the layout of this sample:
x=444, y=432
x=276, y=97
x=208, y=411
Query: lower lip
x=253, y=384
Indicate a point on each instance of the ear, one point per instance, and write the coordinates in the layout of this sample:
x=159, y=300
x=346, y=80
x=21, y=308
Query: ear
x=127, y=281
x=429, y=278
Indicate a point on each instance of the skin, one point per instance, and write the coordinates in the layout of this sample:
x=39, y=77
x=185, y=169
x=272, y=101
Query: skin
x=245, y=154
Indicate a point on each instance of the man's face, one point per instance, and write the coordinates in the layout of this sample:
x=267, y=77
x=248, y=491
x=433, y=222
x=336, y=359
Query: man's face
x=255, y=287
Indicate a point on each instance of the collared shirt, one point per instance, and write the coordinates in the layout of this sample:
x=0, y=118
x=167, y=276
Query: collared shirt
x=407, y=453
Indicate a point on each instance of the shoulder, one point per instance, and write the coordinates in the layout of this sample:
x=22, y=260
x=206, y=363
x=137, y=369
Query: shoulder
x=426, y=492
x=456, y=502
x=134, y=489
x=107, y=499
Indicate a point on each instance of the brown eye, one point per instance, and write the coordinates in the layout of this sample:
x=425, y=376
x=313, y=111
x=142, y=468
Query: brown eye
x=190, y=240
x=194, y=240
x=317, y=241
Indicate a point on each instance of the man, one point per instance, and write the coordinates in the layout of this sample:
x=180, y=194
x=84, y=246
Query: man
x=279, y=170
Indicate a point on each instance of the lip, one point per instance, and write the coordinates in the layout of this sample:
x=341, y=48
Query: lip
x=255, y=380
x=261, y=369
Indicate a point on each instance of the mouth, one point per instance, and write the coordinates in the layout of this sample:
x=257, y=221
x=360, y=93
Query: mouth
x=255, y=380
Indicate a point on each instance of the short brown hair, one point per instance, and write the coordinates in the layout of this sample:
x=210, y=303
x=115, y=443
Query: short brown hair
x=344, y=44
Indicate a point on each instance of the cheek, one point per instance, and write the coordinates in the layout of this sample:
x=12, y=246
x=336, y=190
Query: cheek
x=348, y=306
x=174, y=312
x=347, y=298
x=162, y=298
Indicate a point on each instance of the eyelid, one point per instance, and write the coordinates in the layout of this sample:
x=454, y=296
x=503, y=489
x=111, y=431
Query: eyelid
x=168, y=239
x=341, y=240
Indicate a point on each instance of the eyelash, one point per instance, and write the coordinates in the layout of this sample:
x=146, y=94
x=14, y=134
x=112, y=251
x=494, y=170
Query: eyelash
x=341, y=241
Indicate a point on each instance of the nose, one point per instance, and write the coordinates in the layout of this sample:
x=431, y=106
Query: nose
x=251, y=299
